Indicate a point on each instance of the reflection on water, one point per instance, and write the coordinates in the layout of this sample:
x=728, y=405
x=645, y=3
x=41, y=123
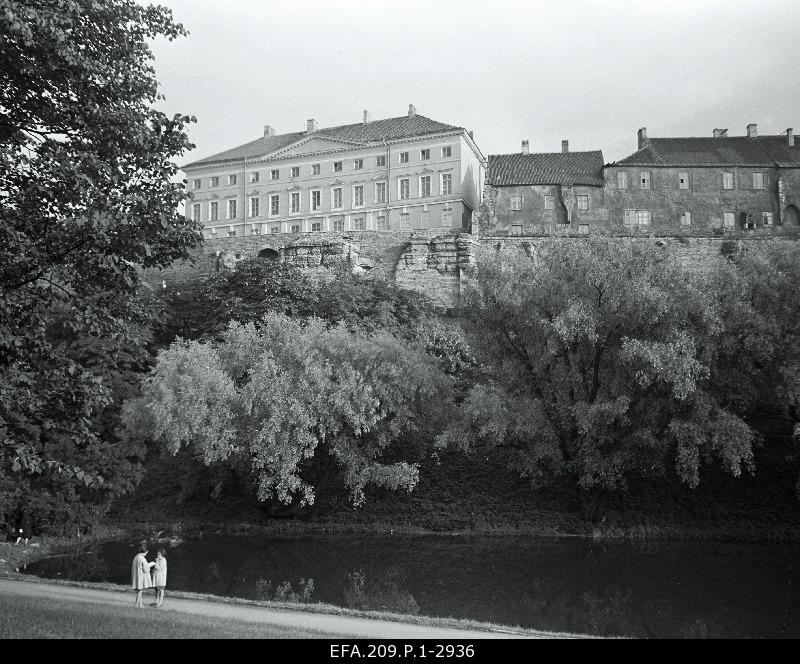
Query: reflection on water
x=654, y=589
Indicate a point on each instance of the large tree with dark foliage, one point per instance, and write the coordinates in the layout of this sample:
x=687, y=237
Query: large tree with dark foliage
x=602, y=361
x=87, y=195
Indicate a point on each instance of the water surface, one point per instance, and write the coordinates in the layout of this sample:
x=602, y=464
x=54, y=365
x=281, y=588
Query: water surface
x=651, y=589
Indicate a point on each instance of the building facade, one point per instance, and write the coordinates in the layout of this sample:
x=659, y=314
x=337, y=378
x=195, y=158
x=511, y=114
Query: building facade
x=397, y=174
x=542, y=193
x=704, y=186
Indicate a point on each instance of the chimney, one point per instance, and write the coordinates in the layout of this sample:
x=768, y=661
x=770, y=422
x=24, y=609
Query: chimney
x=412, y=110
x=268, y=131
x=642, y=136
x=752, y=131
x=367, y=118
x=564, y=146
x=790, y=137
x=525, y=147
x=720, y=133
x=311, y=126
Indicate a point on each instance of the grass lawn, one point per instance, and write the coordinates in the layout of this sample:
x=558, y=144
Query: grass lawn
x=34, y=618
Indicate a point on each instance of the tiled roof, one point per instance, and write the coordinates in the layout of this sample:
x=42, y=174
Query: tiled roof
x=391, y=128
x=708, y=151
x=566, y=168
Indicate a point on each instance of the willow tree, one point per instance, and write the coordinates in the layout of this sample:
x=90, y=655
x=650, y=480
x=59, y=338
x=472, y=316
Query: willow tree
x=267, y=399
x=87, y=196
x=598, y=360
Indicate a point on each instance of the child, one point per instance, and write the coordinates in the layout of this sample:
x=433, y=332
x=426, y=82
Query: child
x=140, y=574
x=160, y=576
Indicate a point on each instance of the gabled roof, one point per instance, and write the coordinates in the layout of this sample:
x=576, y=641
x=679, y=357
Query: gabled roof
x=768, y=151
x=360, y=133
x=565, y=168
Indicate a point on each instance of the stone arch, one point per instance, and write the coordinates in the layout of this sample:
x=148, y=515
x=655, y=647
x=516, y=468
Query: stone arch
x=269, y=254
x=791, y=216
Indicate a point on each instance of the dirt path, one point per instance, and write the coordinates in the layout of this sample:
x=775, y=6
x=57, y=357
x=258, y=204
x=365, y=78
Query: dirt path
x=334, y=625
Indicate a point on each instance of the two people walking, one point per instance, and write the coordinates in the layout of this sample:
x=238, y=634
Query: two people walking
x=146, y=574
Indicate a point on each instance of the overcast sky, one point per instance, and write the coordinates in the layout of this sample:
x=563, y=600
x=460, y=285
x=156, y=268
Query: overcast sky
x=590, y=72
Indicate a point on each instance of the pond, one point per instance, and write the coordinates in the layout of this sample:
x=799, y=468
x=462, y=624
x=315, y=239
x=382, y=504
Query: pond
x=652, y=589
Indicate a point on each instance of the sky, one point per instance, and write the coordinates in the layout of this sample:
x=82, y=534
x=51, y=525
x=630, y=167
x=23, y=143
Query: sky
x=589, y=72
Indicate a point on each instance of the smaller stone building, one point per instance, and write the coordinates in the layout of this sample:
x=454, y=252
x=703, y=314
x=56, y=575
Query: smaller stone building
x=543, y=193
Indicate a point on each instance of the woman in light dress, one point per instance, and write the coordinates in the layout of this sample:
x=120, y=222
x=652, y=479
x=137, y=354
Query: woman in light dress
x=140, y=574
x=160, y=576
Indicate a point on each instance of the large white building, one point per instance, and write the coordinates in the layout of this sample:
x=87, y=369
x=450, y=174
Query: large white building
x=397, y=174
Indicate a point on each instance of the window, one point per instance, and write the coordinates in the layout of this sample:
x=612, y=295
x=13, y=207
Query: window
x=446, y=184
x=381, y=160
x=254, y=230
x=447, y=152
x=315, y=169
x=425, y=186
x=747, y=221
x=337, y=166
x=336, y=199
x=316, y=227
x=644, y=180
x=337, y=224
x=380, y=192
x=274, y=205
x=295, y=228
x=683, y=180
x=758, y=180
x=425, y=219
x=358, y=164
x=728, y=220
x=405, y=220
x=549, y=202
x=358, y=195
x=583, y=201
x=274, y=174
x=231, y=179
x=359, y=223
x=231, y=231
x=197, y=184
x=316, y=199
x=425, y=154
x=583, y=229
x=294, y=199
x=196, y=211
x=516, y=230
x=403, y=188
x=686, y=218
x=636, y=217
x=254, y=176
x=295, y=171
x=767, y=218
x=213, y=211
x=275, y=229
x=404, y=157
x=254, y=203
x=516, y=202
x=382, y=224
x=622, y=180
x=727, y=180
x=447, y=217
x=215, y=182
x=232, y=209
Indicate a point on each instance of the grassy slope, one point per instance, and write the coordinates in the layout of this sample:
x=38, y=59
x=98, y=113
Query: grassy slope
x=478, y=493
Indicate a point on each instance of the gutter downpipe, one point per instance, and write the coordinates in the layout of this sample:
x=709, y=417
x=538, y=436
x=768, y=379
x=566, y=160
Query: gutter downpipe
x=388, y=183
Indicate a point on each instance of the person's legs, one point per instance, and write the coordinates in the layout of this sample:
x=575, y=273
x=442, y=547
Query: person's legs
x=138, y=603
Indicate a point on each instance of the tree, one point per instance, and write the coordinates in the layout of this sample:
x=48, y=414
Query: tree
x=86, y=198
x=269, y=398
x=598, y=359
